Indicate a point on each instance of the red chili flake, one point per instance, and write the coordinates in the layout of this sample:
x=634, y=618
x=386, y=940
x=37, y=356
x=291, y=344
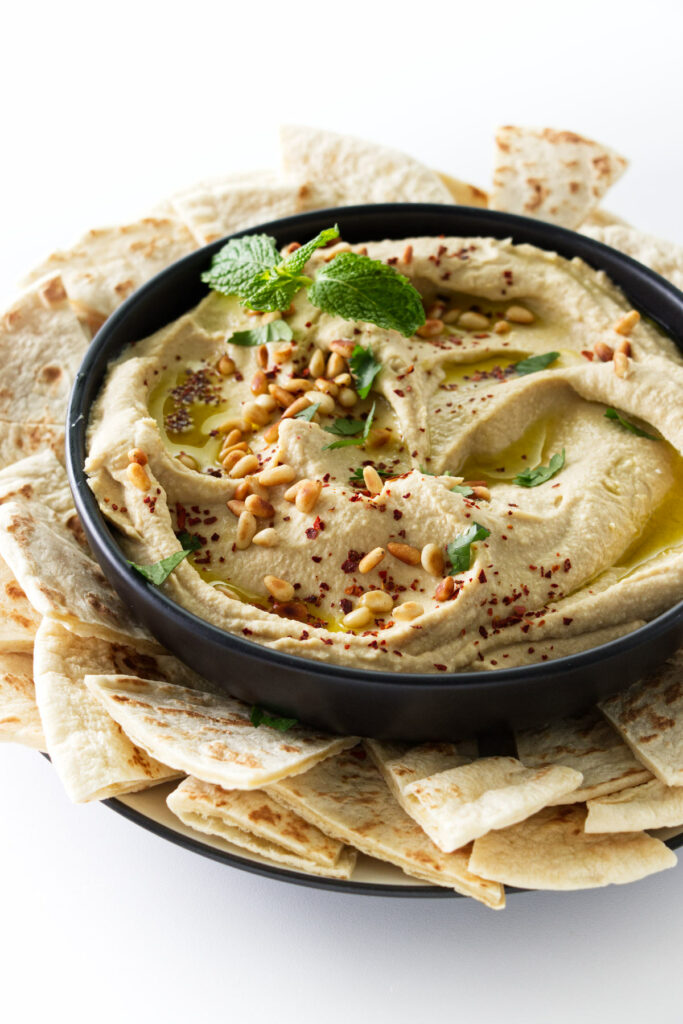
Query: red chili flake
x=519, y=609
x=440, y=668
x=531, y=650
x=587, y=355
x=328, y=642
x=567, y=620
x=316, y=558
x=304, y=634
x=482, y=632
x=401, y=394
x=312, y=533
x=353, y=590
x=398, y=514
x=115, y=507
x=351, y=562
x=247, y=632
x=567, y=565
x=482, y=577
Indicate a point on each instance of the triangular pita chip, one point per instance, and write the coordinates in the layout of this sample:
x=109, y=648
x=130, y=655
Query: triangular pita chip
x=649, y=716
x=663, y=257
x=347, y=798
x=652, y=805
x=253, y=820
x=91, y=754
x=552, y=851
x=19, y=715
x=589, y=745
x=343, y=170
x=551, y=175
x=208, y=735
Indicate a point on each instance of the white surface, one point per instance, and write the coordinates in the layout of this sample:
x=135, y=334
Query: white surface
x=106, y=108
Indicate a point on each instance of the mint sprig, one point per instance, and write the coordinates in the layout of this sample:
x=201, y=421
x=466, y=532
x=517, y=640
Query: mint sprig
x=260, y=717
x=534, y=477
x=158, y=572
x=459, y=551
x=364, y=368
x=535, y=363
x=348, y=431
x=612, y=414
x=278, y=330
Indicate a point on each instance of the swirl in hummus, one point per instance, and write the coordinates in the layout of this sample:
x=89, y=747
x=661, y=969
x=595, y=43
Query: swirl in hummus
x=341, y=554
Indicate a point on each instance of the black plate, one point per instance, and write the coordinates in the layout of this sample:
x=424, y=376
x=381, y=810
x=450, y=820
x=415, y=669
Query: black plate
x=345, y=700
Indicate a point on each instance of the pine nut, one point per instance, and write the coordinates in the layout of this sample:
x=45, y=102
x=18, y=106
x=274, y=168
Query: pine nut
x=404, y=552
x=358, y=618
x=295, y=384
x=627, y=322
x=379, y=437
x=267, y=538
x=282, y=397
x=452, y=316
x=371, y=560
x=233, y=438
x=233, y=423
x=624, y=346
x=307, y=495
x=603, y=351
x=298, y=405
x=472, y=321
x=262, y=356
x=327, y=387
x=317, y=364
x=283, y=353
x=187, y=460
x=137, y=455
x=343, y=380
x=243, y=489
x=483, y=493
x=231, y=459
x=325, y=403
x=377, y=601
x=236, y=507
x=342, y=347
x=226, y=366
x=444, y=589
x=407, y=611
x=373, y=480
x=436, y=310
x=621, y=364
x=347, y=398
x=432, y=560
x=259, y=507
x=241, y=446
x=501, y=327
x=259, y=383
x=291, y=492
x=519, y=315
x=276, y=475
x=336, y=364
x=407, y=254
x=272, y=434
x=256, y=414
x=138, y=476
x=246, y=528
x=291, y=610
x=292, y=247
x=281, y=590
x=247, y=464
x=430, y=328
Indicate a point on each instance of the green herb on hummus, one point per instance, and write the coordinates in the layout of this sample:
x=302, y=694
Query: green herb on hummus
x=307, y=414
x=533, y=477
x=348, y=431
x=357, y=476
x=278, y=330
x=466, y=492
x=535, y=363
x=612, y=414
x=260, y=717
x=364, y=368
x=459, y=551
x=158, y=572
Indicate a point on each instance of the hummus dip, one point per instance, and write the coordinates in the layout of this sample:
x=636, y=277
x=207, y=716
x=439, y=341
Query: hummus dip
x=346, y=555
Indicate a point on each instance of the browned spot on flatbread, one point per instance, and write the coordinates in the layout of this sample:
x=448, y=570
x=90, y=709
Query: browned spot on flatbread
x=50, y=374
x=14, y=591
x=263, y=813
x=75, y=527
x=124, y=288
x=52, y=293
x=539, y=194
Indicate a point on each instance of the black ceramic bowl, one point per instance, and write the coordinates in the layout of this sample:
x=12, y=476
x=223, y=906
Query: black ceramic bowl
x=348, y=700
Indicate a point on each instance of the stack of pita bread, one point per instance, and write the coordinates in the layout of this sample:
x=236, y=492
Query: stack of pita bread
x=582, y=804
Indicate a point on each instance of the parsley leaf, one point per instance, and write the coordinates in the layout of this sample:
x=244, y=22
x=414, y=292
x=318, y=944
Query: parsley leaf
x=260, y=717
x=466, y=492
x=459, y=551
x=158, y=572
x=612, y=414
x=535, y=363
x=359, y=288
x=307, y=414
x=278, y=330
x=533, y=477
x=346, y=428
x=364, y=368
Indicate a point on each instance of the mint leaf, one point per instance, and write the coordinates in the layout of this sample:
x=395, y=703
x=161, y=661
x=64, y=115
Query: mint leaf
x=533, y=477
x=364, y=368
x=612, y=414
x=260, y=717
x=158, y=572
x=535, y=363
x=278, y=330
x=296, y=262
x=188, y=541
x=239, y=262
x=307, y=414
x=459, y=551
x=466, y=492
x=358, y=288
x=347, y=427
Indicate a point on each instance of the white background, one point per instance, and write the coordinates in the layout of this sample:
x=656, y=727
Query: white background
x=104, y=109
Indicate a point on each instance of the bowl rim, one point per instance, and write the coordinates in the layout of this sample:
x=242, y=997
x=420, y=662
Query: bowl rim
x=557, y=238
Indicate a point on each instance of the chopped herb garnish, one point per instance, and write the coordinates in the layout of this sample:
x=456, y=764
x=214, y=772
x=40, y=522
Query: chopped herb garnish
x=612, y=414
x=459, y=551
x=158, y=572
x=535, y=363
x=364, y=368
x=348, y=429
x=260, y=717
x=533, y=477
x=466, y=492
x=278, y=330
x=357, y=476
x=307, y=414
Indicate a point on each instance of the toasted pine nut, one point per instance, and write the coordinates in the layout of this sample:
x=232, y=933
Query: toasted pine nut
x=371, y=560
x=373, y=481
x=271, y=435
x=187, y=460
x=407, y=611
x=519, y=315
x=138, y=476
x=246, y=528
x=295, y=384
x=232, y=423
x=501, y=327
x=283, y=353
x=377, y=601
x=291, y=492
x=236, y=507
x=256, y=414
x=298, y=405
x=407, y=254
x=627, y=322
x=232, y=458
x=292, y=247
x=243, y=489
x=259, y=507
x=472, y=321
x=247, y=464
x=241, y=446
x=282, y=397
x=430, y=328
x=483, y=493
x=324, y=402
x=137, y=455
x=603, y=351
x=307, y=495
x=343, y=380
x=336, y=364
x=404, y=552
x=267, y=538
x=343, y=347
x=347, y=398
x=436, y=310
x=273, y=476
x=259, y=383
x=262, y=356
x=378, y=437
x=452, y=316
x=233, y=438
x=328, y=387
x=358, y=618
x=226, y=366
x=444, y=589
x=281, y=590
x=624, y=346
x=621, y=364
x=432, y=560
x=317, y=363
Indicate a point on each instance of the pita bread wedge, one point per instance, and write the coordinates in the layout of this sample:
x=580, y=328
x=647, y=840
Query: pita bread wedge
x=343, y=170
x=663, y=257
x=91, y=754
x=649, y=717
x=463, y=803
x=601, y=218
x=552, y=851
x=251, y=819
x=346, y=797
x=208, y=735
x=19, y=715
x=589, y=745
x=551, y=175
x=463, y=193
x=650, y=806
x=18, y=620
x=109, y=264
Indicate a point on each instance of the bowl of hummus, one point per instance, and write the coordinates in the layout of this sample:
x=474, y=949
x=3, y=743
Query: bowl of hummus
x=424, y=479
